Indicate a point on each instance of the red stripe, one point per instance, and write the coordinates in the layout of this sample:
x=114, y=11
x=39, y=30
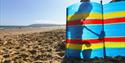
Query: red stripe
x=88, y=21
x=114, y=20
x=120, y=39
x=83, y=41
x=96, y=21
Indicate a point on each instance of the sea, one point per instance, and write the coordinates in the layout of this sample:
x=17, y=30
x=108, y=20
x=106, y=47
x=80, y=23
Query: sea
x=13, y=27
x=20, y=27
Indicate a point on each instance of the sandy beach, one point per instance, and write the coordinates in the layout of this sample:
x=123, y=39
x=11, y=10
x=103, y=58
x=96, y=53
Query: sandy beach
x=35, y=45
x=39, y=45
x=15, y=31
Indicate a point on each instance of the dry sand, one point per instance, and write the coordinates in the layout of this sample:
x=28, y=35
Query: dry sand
x=32, y=45
x=39, y=46
x=15, y=31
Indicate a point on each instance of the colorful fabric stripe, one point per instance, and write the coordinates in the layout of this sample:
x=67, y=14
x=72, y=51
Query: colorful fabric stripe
x=89, y=32
x=85, y=16
x=94, y=31
x=114, y=11
x=84, y=54
x=79, y=41
x=78, y=13
x=114, y=15
x=96, y=16
x=80, y=6
x=115, y=52
x=114, y=7
x=96, y=21
x=86, y=46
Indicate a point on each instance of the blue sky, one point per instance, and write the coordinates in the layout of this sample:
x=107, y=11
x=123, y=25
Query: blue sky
x=25, y=12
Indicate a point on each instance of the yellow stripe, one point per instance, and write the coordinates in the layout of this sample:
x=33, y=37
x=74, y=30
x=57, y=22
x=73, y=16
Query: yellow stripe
x=83, y=46
x=96, y=16
x=85, y=16
x=96, y=46
x=115, y=44
x=114, y=15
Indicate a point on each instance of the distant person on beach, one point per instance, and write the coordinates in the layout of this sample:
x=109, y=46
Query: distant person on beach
x=85, y=1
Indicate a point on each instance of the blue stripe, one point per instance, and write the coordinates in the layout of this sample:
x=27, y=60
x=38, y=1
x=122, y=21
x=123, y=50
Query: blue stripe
x=94, y=31
x=84, y=32
x=70, y=53
x=80, y=8
x=114, y=7
x=95, y=8
x=115, y=52
x=114, y=30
